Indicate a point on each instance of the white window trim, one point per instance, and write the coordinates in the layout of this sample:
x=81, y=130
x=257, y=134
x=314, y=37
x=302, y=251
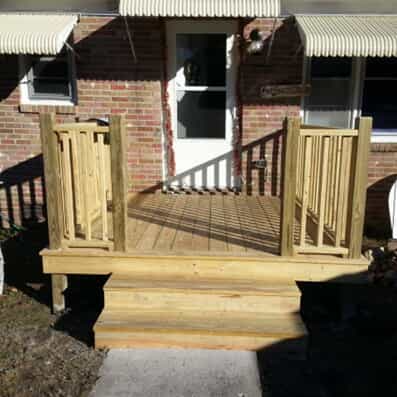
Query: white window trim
x=24, y=88
x=358, y=73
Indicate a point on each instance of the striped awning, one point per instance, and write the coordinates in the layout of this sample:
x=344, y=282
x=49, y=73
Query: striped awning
x=200, y=8
x=348, y=36
x=34, y=34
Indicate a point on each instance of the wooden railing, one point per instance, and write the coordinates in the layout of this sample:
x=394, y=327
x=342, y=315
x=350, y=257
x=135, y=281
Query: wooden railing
x=324, y=189
x=85, y=174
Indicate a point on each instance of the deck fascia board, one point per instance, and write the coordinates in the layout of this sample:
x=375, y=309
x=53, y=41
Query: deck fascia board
x=303, y=268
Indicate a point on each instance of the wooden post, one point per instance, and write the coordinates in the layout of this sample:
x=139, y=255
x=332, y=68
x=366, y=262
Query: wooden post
x=289, y=187
x=358, y=196
x=118, y=160
x=49, y=143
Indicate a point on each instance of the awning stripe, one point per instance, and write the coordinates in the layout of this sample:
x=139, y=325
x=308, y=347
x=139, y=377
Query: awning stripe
x=200, y=8
x=34, y=34
x=348, y=36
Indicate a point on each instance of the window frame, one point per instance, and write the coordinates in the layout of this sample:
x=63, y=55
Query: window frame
x=26, y=74
x=357, y=91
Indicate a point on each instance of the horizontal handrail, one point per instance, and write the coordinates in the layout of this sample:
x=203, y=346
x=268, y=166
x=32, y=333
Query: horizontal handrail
x=81, y=127
x=328, y=132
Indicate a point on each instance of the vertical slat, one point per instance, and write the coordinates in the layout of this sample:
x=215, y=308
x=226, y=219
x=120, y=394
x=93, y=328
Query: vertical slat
x=118, y=159
x=85, y=185
x=102, y=186
x=76, y=168
x=358, y=199
x=61, y=166
x=322, y=190
x=336, y=185
x=342, y=191
x=289, y=187
x=68, y=186
x=306, y=188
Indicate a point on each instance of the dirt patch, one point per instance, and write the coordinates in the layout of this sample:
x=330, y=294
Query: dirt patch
x=36, y=359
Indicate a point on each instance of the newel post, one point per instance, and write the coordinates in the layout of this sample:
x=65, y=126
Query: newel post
x=289, y=178
x=49, y=144
x=358, y=195
x=118, y=162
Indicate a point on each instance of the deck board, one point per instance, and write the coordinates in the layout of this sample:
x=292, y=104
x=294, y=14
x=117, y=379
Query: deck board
x=210, y=223
x=204, y=223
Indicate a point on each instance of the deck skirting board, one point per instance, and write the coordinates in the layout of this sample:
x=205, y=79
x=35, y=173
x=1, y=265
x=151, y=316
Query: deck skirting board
x=303, y=268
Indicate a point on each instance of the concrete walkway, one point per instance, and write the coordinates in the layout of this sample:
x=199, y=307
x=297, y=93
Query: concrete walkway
x=178, y=373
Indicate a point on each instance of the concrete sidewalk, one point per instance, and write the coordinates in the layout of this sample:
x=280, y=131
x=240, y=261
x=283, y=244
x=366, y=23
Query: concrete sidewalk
x=178, y=373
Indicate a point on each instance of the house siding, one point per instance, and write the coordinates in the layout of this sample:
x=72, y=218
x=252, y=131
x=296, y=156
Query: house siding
x=110, y=82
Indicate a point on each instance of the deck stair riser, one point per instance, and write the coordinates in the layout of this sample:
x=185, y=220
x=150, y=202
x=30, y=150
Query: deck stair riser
x=194, y=300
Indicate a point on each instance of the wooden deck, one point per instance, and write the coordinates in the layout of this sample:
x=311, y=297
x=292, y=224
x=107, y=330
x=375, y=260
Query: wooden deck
x=205, y=223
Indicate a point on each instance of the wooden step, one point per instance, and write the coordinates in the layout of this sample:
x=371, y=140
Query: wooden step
x=238, y=331
x=126, y=294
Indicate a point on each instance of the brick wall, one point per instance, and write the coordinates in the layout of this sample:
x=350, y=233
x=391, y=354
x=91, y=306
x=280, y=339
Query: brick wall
x=108, y=82
x=382, y=175
x=262, y=120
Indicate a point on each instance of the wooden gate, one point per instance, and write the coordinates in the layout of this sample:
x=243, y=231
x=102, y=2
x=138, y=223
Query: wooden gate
x=85, y=175
x=324, y=189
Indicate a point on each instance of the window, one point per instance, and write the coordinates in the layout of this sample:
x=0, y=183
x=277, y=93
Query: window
x=330, y=101
x=345, y=88
x=379, y=93
x=48, y=80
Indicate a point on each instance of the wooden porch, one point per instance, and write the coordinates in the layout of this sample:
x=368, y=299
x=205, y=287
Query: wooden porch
x=173, y=248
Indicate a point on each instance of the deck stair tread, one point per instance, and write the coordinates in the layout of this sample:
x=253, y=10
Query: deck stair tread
x=257, y=324
x=197, y=285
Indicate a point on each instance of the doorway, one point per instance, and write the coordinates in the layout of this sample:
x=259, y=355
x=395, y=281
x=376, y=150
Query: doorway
x=202, y=80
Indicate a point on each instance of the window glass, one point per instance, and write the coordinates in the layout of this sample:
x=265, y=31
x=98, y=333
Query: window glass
x=201, y=114
x=379, y=95
x=329, y=103
x=50, y=78
x=331, y=67
x=381, y=67
x=202, y=58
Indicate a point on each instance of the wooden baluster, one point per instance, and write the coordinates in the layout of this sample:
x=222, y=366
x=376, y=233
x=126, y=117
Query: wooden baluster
x=85, y=185
x=102, y=186
x=306, y=188
x=68, y=186
x=342, y=192
x=322, y=191
x=76, y=169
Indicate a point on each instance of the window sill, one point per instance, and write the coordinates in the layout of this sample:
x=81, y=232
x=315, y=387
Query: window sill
x=42, y=108
x=387, y=136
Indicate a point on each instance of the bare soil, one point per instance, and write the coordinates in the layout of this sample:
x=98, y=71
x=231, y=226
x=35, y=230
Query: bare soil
x=36, y=359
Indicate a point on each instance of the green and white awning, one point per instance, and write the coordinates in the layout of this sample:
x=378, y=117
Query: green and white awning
x=34, y=34
x=348, y=36
x=200, y=8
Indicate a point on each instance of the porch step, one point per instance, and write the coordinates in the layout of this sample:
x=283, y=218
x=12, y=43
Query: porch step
x=125, y=294
x=198, y=313
x=235, y=331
